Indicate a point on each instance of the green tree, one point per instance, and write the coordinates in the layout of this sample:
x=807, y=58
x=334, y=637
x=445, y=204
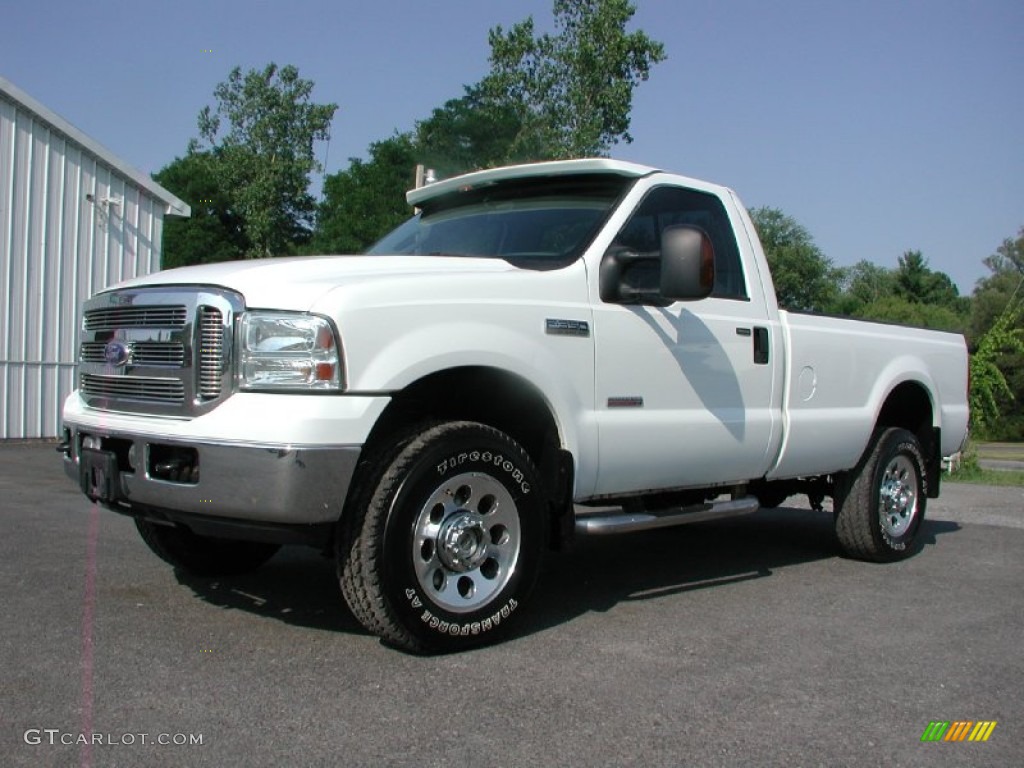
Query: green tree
x=992, y=293
x=896, y=309
x=911, y=294
x=917, y=283
x=867, y=282
x=213, y=232
x=804, y=277
x=862, y=284
x=260, y=135
x=989, y=386
x=572, y=91
x=470, y=133
x=992, y=305
x=1009, y=257
x=544, y=98
x=364, y=202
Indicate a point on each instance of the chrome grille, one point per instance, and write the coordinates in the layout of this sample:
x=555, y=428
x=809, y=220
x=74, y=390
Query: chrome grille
x=139, y=388
x=149, y=353
x=211, y=351
x=159, y=350
x=157, y=316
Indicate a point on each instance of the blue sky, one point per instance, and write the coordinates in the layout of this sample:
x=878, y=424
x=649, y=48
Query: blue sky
x=880, y=126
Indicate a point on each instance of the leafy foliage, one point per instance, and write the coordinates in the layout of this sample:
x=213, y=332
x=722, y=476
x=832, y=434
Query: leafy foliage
x=911, y=294
x=989, y=388
x=915, y=282
x=867, y=282
x=896, y=309
x=213, y=232
x=547, y=97
x=992, y=293
x=260, y=140
x=804, y=277
x=367, y=200
x=994, y=297
x=473, y=132
x=1009, y=257
x=572, y=91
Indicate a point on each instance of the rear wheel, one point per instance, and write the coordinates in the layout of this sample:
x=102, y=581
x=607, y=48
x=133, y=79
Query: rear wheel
x=880, y=504
x=443, y=543
x=203, y=555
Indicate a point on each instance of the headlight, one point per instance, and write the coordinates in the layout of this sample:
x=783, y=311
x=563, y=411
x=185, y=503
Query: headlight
x=288, y=351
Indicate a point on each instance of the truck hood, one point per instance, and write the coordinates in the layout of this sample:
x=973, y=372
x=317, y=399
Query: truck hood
x=297, y=282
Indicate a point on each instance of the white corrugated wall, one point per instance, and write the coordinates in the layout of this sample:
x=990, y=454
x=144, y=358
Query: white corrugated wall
x=57, y=247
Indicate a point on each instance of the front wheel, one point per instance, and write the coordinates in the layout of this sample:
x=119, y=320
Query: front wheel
x=442, y=546
x=880, y=504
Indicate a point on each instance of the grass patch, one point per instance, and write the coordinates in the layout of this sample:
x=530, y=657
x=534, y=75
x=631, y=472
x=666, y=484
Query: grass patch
x=978, y=476
x=1006, y=451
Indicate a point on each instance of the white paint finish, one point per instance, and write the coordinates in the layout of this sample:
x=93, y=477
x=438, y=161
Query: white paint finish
x=300, y=282
x=397, y=331
x=56, y=249
x=704, y=398
x=808, y=383
x=858, y=364
x=710, y=414
x=529, y=170
x=250, y=418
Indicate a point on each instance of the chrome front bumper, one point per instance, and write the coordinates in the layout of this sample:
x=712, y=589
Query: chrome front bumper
x=272, y=484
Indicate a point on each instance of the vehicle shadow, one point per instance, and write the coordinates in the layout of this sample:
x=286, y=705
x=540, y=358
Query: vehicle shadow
x=299, y=587
x=602, y=572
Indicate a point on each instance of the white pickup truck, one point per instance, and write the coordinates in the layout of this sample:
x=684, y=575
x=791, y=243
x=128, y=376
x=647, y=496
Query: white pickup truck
x=578, y=347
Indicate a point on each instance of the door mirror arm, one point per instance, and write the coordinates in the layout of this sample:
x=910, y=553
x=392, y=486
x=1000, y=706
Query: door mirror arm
x=614, y=266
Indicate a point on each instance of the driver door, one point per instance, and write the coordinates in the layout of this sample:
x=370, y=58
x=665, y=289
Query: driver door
x=686, y=392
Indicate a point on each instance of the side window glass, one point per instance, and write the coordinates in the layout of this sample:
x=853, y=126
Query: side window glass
x=665, y=206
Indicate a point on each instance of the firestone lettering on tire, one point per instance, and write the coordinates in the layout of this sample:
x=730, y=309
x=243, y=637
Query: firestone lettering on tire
x=472, y=628
x=497, y=460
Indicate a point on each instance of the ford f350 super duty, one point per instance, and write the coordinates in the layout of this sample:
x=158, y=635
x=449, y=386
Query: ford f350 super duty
x=578, y=347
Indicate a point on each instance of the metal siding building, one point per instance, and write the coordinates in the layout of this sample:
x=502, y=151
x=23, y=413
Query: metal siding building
x=73, y=219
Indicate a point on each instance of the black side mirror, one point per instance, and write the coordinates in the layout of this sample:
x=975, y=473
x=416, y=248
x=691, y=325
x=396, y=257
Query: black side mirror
x=687, y=263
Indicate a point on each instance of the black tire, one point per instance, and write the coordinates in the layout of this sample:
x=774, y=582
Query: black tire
x=203, y=555
x=881, y=502
x=441, y=544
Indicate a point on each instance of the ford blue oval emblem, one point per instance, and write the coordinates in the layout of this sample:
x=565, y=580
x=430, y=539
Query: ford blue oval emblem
x=116, y=353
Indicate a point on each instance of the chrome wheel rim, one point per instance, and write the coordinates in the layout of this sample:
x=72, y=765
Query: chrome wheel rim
x=466, y=542
x=897, y=497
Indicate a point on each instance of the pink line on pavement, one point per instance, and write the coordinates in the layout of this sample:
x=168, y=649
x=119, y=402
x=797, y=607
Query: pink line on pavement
x=88, y=610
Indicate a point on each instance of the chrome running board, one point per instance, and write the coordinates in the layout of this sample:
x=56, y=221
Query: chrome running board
x=601, y=523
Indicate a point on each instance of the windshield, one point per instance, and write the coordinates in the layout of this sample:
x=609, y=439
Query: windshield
x=540, y=223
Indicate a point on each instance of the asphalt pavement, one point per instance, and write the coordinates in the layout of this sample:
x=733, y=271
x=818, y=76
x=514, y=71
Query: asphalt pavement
x=739, y=643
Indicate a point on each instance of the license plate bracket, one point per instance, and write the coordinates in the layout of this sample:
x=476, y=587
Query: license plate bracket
x=99, y=476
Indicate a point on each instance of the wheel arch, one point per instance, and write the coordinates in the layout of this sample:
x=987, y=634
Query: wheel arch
x=502, y=400
x=910, y=406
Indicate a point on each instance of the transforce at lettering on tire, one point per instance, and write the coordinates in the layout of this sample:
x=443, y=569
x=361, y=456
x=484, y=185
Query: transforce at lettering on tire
x=473, y=628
